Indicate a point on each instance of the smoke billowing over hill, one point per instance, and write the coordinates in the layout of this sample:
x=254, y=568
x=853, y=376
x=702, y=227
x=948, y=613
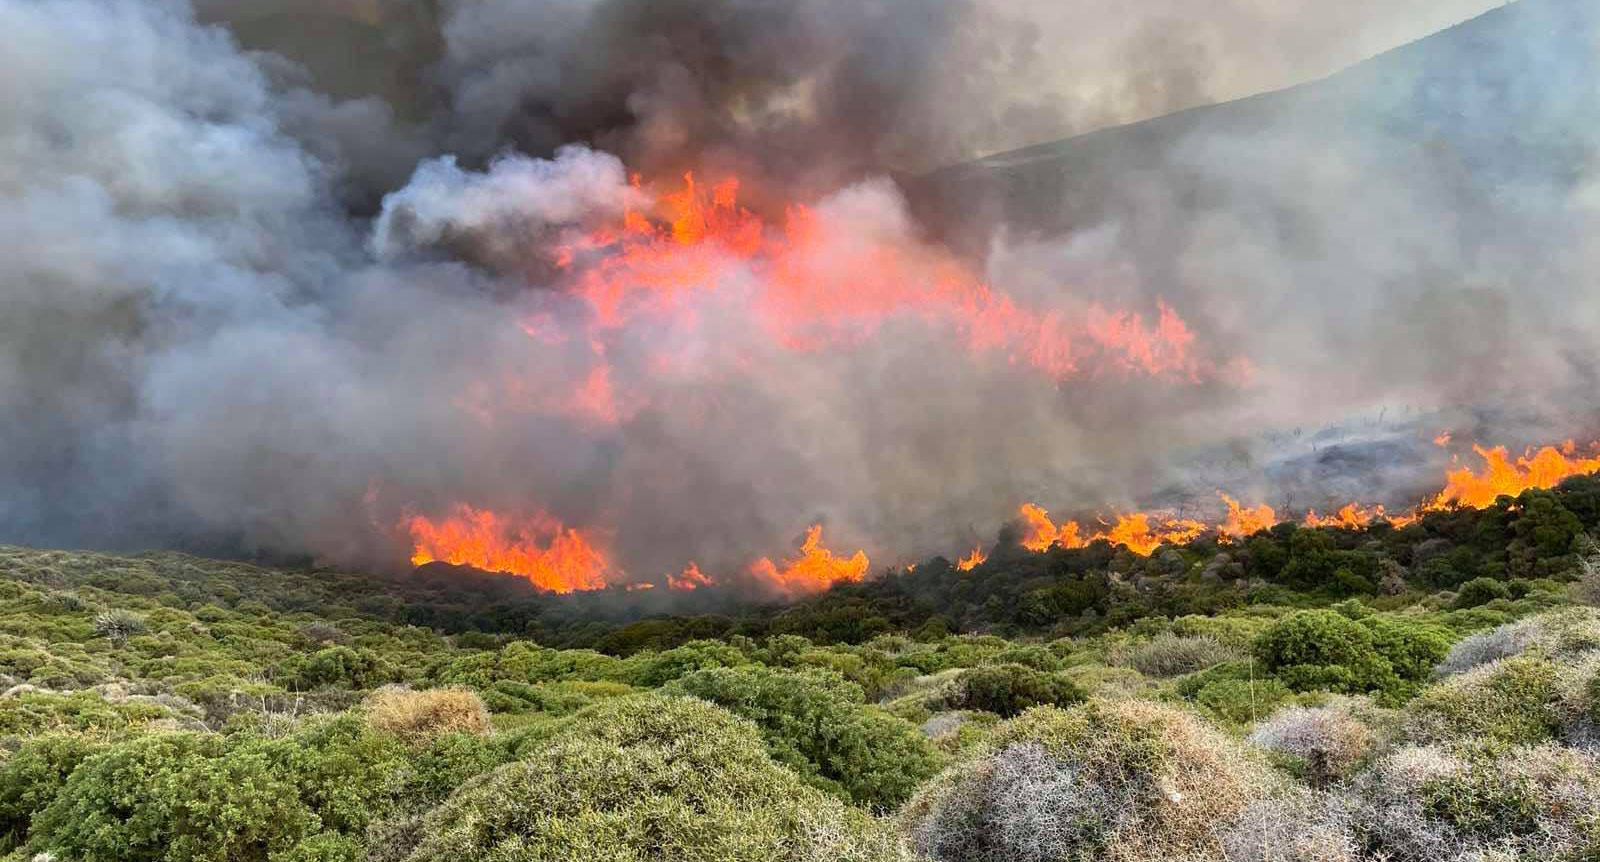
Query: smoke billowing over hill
x=370, y=281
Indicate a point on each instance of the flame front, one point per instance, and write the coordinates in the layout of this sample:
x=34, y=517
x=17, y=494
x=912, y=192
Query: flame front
x=1502, y=476
x=972, y=560
x=816, y=569
x=823, y=285
x=552, y=556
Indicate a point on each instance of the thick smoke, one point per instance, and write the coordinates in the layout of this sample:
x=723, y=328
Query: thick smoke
x=278, y=274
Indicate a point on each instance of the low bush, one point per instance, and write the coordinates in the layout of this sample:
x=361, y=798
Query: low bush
x=30, y=779
x=1102, y=780
x=815, y=723
x=654, y=780
x=1169, y=655
x=1512, y=701
x=419, y=716
x=1323, y=743
x=1426, y=804
x=1009, y=689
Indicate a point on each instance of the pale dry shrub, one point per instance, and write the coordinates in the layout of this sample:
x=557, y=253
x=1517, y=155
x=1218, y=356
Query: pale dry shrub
x=1299, y=827
x=1169, y=655
x=1113, y=780
x=1331, y=740
x=943, y=724
x=1587, y=587
x=118, y=625
x=420, y=716
x=1558, y=635
x=1524, y=802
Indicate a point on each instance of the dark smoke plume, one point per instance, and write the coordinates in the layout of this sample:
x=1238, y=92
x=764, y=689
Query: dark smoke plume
x=265, y=266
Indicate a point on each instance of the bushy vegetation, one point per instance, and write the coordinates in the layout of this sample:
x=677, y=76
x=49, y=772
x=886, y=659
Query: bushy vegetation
x=1429, y=692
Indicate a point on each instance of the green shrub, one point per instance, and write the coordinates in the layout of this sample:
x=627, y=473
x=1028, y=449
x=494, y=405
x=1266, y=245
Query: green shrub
x=1169, y=655
x=1480, y=591
x=172, y=797
x=1324, y=650
x=1009, y=689
x=815, y=723
x=1511, y=701
x=649, y=778
x=31, y=778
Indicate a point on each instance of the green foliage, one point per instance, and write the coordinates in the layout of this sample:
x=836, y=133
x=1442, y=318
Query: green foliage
x=816, y=724
x=31, y=778
x=1480, y=591
x=172, y=797
x=1010, y=689
x=1312, y=650
x=648, y=778
x=1514, y=701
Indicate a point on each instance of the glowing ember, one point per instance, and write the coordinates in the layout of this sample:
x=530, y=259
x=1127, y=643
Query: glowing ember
x=816, y=569
x=554, y=557
x=972, y=560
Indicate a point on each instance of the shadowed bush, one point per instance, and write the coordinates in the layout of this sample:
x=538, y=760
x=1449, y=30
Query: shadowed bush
x=1009, y=689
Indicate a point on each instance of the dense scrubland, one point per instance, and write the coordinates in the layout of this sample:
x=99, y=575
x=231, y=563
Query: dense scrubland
x=1424, y=693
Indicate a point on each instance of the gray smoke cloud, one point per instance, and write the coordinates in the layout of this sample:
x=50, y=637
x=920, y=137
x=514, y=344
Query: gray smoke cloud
x=277, y=275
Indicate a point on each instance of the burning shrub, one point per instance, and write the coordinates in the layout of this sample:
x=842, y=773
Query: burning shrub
x=649, y=778
x=816, y=724
x=1169, y=655
x=1009, y=689
x=420, y=716
x=1104, y=780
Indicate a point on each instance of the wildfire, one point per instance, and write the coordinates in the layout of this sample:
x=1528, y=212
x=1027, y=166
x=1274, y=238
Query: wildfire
x=691, y=578
x=1140, y=532
x=1243, y=522
x=540, y=548
x=972, y=560
x=816, y=569
x=1542, y=469
x=822, y=284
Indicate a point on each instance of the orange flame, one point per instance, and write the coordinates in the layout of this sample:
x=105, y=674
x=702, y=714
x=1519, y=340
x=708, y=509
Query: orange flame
x=972, y=560
x=824, y=284
x=554, y=557
x=1241, y=522
x=1443, y=439
x=816, y=569
x=1545, y=468
x=691, y=578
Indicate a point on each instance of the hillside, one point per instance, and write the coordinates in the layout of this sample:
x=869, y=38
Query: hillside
x=145, y=695
x=1471, y=113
